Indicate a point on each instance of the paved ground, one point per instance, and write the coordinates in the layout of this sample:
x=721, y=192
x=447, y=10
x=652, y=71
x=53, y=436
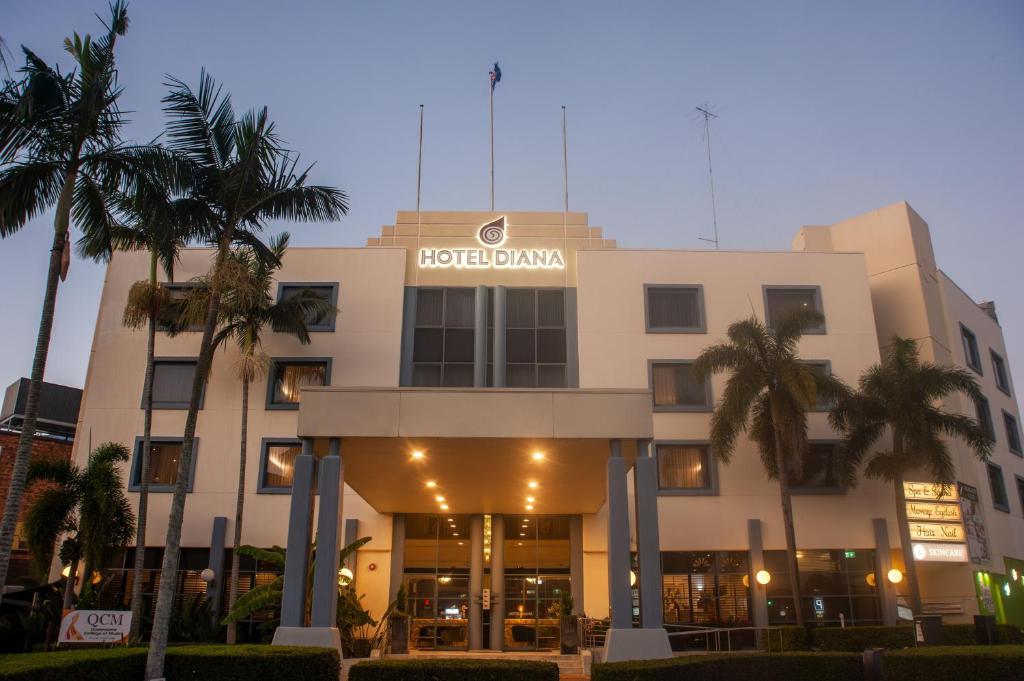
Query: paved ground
x=569, y=666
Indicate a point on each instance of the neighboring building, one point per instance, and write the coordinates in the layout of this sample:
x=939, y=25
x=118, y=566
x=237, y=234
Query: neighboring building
x=486, y=388
x=58, y=415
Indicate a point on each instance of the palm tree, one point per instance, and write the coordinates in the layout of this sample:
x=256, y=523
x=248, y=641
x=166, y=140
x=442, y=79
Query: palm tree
x=247, y=309
x=770, y=387
x=60, y=147
x=87, y=503
x=243, y=177
x=900, y=398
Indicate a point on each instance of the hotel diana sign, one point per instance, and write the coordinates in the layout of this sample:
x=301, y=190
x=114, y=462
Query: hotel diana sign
x=492, y=256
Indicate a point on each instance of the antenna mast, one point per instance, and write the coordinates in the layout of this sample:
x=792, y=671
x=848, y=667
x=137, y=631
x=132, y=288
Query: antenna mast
x=704, y=111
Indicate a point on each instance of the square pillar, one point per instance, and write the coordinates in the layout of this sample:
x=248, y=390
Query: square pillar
x=300, y=536
x=397, y=555
x=576, y=562
x=883, y=563
x=497, y=582
x=645, y=480
x=480, y=339
x=328, y=539
x=498, y=354
x=476, y=582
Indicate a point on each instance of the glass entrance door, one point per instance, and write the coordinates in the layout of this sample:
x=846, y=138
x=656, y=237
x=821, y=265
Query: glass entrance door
x=536, y=576
x=437, y=581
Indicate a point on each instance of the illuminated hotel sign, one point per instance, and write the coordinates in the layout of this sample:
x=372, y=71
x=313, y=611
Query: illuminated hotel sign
x=935, y=521
x=492, y=235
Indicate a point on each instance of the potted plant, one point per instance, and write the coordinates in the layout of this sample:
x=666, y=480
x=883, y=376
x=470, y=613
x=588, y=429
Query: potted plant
x=567, y=623
x=398, y=625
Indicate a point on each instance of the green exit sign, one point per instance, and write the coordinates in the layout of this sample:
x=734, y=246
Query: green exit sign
x=850, y=554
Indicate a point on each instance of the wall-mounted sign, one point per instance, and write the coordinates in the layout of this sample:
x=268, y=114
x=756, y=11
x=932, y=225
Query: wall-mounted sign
x=937, y=532
x=95, y=626
x=492, y=235
x=974, y=525
x=935, y=552
x=485, y=599
x=929, y=491
x=928, y=510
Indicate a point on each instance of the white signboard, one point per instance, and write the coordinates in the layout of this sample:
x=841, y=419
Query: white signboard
x=95, y=626
x=935, y=552
x=491, y=236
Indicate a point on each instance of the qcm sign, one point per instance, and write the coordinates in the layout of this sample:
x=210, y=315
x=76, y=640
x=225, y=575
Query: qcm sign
x=492, y=236
x=95, y=626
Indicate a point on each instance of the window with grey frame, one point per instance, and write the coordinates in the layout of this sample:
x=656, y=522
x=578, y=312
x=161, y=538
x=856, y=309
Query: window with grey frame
x=674, y=308
x=984, y=415
x=674, y=387
x=1020, y=491
x=780, y=301
x=177, y=296
x=822, y=368
x=164, y=454
x=684, y=466
x=172, y=382
x=443, y=340
x=999, y=371
x=277, y=466
x=1012, y=433
x=328, y=292
x=535, y=338
x=289, y=376
x=997, y=486
x=971, y=354
x=819, y=470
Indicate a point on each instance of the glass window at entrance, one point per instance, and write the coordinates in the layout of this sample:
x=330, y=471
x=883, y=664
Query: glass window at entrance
x=443, y=340
x=536, y=575
x=832, y=582
x=437, y=580
x=706, y=587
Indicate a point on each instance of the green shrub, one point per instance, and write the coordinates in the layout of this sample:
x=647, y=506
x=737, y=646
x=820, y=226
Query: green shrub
x=453, y=670
x=963, y=634
x=224, y=663
x=858, y=639
x=798, y=666
x=955, y=663
x=791, y=638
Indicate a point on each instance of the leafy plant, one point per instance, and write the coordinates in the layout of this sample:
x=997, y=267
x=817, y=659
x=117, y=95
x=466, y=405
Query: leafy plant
x=194, y=622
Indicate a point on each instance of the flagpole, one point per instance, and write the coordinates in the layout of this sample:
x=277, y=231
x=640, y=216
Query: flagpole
x=490, y=100
x=419, y=181
x=565, y=204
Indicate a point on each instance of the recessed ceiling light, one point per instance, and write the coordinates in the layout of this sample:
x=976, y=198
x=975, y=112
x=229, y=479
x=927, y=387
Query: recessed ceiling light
x=537, y=456
x=526, y=520
x=530, y=500
x=450, y=520
x=431, y=484
x=519, y=543
x=455, y=534
x=417, y=454
x=439, y=497
x=444, y=507
x=529, y=507
x=533, y=484
x=522, y=534
x=460, y=543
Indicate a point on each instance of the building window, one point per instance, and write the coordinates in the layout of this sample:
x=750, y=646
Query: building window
x=780, y=301
x=985, y=417
x=289, y=376
x=1020, y=491
x=177, y=294
x=685, y=467
x=706, y=587
x=536, y=353
x=172, y=382
x=674, y=309
x=997, y=486
x=822, y=368
x=443, y=343
x=970, y=342
x=1012, y=433
x=164, y=454
x=327, y=291
x=675, y=388
x=999, y=370
x=819, y=469
x=833, y=582
x=277, y=466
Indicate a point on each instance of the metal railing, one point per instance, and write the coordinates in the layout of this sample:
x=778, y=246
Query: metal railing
x=715, y=639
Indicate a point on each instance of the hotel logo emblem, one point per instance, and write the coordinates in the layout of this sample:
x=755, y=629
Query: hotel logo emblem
x=493, y=233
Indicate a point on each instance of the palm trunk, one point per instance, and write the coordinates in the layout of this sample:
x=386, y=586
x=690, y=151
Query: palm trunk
x=787, y=518
x=909, y=563
x=69, y=587
x=169, y=566
x=147, y=430
x=236, y=559
x=19, y=472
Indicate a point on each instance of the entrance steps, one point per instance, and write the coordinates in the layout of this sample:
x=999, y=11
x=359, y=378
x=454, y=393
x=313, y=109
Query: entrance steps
x=570, y=667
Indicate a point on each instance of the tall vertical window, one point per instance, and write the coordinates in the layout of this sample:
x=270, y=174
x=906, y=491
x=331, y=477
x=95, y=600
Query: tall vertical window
x=999, y=370
x=706, y=587
x=985, y=417
x=685, y=467
x=535, y=338
x=289, y=376
x=172, y=382
x=1012, y=433
x=443, y=341
x=675, y=388
x=674, y=309
x=819, y=469
x=822, y=368
x=971, y=354
x=326, y=291
x=780, y=301
x=1020, y=491
x=997, y=486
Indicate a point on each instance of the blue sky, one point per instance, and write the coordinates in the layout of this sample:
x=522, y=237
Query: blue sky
x=826, y=110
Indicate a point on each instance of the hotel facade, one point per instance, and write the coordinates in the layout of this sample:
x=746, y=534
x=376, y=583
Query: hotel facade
x=504, y=404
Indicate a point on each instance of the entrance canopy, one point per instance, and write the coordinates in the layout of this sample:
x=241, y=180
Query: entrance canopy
x=464, y=450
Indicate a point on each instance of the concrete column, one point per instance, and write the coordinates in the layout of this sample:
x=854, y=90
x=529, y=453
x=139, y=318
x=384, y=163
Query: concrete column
x=476, y=582
x=645, y=485
x=576, y=562
x=216, y=563
x=351, y=534
x=498, y=355
x=300, y=534
x=328, y=538
x=883, y=563
x=408, y=335
x=619, y=599
x=397, y=554
x=497, y=582
x=572, y=349
x=480, y=339
x=758, y=592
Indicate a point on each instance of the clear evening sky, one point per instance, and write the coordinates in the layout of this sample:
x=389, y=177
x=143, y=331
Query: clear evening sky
x=826, y=110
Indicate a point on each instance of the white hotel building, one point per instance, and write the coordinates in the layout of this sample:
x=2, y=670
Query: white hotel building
x=540, y=386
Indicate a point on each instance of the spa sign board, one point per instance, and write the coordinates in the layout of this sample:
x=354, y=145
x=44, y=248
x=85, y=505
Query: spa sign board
x=935, y=521
x=929, y=491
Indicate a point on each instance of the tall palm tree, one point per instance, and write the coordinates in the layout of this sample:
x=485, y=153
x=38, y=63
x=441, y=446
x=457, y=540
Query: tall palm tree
x=59, y=147
x=244, y=177
x=900, y=398
x=772, y=389
x=247, y=310
x=87, y=503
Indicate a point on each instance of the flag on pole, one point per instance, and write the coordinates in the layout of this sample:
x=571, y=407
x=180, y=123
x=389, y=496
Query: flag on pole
x=495, y=75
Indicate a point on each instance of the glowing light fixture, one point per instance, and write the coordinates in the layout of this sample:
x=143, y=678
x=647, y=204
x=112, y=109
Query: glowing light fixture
x=763, y=577
x=632, y=578
x=895, y=576
x=417, y=454
x=345, y=576
x=444, y=507
x=538, y=456
x=746, y=581
x=530, y=500
x=439, y=497
x=532, y=484
x=529, y=507
x=870, y=579
x=1013, y=573
x=1006, y=588
x=431, y=484
x=66, y=572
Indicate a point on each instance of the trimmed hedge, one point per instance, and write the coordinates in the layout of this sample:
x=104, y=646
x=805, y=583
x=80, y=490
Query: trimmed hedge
x=955, y=663
x=453, y=670
x=860, y=638
x=800, y=666
x=221, y=662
